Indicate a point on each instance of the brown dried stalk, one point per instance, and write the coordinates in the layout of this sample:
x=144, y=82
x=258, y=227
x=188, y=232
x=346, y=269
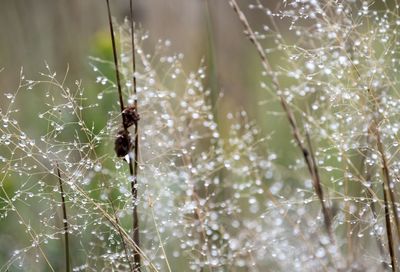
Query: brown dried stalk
x=65, y=221
x=389, y=201
x=134, y=171
x=133, y=166
x=318, y=188
x=388, y=180
x=121, y=101
x=307, y=153
x=389, y=228
x=371, y=196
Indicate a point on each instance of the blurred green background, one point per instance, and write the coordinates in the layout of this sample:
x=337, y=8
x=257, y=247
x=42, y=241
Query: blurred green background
x=67, y=32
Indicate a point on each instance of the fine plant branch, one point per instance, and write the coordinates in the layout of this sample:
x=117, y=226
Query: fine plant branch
x=289, y=114
x=134, y=171
x=336, y=86
x=32, y=233
x=65, y=221
x=118, y=225
x=115, y=224
x=159, y=236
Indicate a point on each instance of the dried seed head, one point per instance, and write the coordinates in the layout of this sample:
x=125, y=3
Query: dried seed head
x=123, y=143
x=130, y=116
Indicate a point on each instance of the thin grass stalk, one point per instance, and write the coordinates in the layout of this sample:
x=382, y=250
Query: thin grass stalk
x=134, y=171
x=114, y=48
x=114, y=224
x=289, y=114
x=30, y=231
x=97, y=206
x=349, y=233
x=212, y=60
x=318, y=189
x=371, y=197
x=388, y=201
x=132, y=168
x=378, y=239
x=122, y=238
x=389, y=197
x=65, y=221
x=213, y=75
x=389, y=229
x=388, y=180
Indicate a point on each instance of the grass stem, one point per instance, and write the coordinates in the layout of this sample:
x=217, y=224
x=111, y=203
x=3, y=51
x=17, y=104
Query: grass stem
x=388, y=201
x=133, y=162
x=114, y=48
x=65, y=221
x=134, y=171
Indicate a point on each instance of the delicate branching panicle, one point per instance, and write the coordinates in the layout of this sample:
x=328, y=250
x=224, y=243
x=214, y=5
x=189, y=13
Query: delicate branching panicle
x=312, y=185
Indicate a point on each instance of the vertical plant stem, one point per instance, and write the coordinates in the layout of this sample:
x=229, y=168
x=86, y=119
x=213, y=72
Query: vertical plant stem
x=389, y=228
x=134, y=171
x=212, y=61
x=388, y=180
x=388, y=201
x=213, y=75
x=133, y=162
x=371, y=196
x=349, y=233
x=65, y=221
x=114, y=48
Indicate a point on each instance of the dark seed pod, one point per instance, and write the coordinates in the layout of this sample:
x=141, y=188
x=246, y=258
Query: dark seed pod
x=123, y=143
x=130, y=116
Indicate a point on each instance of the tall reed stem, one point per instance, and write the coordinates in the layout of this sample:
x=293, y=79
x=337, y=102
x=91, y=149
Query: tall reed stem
x=134, y=171
x=114, y=48
x=388, y=201
x=133, y=162
x=65, y=221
